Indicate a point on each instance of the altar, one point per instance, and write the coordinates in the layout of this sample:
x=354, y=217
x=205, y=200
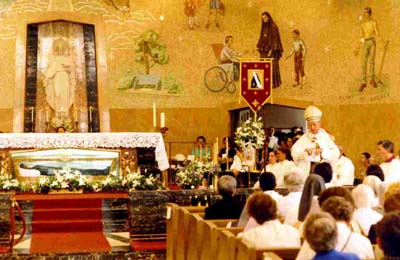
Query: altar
x=124, y=143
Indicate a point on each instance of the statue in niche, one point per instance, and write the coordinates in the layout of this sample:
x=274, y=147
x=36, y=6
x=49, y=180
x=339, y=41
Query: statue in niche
x=59, y=79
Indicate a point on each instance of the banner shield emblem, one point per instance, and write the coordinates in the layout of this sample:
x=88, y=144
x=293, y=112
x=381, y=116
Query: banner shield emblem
x=256, y=82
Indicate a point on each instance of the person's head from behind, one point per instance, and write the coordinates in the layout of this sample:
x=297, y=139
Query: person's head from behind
x=335, y=191
x=363, y=196
x=324, y=170
x=321, y=232
x=227, y=185
x=392, y=189
x=262, y=207
x=294, y=181
x=267, y=181
x=388, y=234
x=376, y=170
x=392, y=203
x=373, y=182
x=385, y=149
x=339, y=208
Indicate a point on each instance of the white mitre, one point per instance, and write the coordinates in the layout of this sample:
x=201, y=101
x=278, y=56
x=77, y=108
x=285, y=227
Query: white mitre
x=312, y=114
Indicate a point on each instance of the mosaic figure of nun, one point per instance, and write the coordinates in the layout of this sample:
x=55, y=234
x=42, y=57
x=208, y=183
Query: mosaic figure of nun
x=269, y=45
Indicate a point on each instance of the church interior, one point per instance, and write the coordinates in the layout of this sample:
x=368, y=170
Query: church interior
x=125, y=74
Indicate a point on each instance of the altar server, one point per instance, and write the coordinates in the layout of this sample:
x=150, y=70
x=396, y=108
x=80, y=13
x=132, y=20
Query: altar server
x=316, y=145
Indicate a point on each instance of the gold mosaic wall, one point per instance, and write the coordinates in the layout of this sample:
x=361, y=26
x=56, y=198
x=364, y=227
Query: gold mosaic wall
x=330, y=30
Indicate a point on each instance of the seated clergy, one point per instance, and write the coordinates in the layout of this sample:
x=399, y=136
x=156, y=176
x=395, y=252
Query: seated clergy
x=271, y=232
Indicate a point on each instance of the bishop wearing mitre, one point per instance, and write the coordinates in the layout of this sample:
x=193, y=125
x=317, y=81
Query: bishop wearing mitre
x=316, y=145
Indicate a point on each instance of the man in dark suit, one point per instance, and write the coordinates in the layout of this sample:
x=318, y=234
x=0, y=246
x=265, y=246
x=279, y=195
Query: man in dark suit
x=227, y=207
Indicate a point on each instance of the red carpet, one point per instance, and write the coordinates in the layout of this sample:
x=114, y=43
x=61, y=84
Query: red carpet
x=68, y=225
x=67, y=242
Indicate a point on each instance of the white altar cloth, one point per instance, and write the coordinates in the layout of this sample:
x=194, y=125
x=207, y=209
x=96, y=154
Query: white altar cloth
x=88, y=140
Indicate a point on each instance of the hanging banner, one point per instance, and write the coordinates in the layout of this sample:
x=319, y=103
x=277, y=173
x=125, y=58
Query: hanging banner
x=256, y=82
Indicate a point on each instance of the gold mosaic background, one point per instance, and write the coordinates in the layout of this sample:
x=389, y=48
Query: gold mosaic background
x=329, y=28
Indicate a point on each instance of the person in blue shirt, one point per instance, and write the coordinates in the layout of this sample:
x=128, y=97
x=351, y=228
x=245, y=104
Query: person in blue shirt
x=321, y=233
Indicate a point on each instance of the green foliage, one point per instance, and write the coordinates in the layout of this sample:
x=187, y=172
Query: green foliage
x=172, y=85
x=149, y=49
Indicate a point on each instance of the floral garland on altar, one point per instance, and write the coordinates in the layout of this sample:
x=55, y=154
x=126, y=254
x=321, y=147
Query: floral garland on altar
x=250, y=134
x=66, y=179
x=193, y=174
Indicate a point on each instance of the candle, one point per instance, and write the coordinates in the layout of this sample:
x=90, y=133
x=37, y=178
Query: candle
x=32, y=111
x=154, y=115
x=90, y=113
x=76, y=115
x=227, y=152
x=47, y=114
x=162, y=120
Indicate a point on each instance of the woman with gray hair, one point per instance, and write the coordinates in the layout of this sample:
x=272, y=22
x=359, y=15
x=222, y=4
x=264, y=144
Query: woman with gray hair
x=288, y=206
x=364, y=215
x=347, y=241
x=321, y=233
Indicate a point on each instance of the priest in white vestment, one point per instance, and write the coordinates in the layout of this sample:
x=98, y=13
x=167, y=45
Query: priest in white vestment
x=343, y=171
x=390, y=165
x=316, y=145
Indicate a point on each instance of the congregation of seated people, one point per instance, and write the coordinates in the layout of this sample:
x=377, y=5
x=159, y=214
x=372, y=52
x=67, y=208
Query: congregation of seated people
x=334, y=220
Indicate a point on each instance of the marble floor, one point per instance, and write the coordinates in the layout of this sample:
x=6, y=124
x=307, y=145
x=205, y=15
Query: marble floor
x=119, y=241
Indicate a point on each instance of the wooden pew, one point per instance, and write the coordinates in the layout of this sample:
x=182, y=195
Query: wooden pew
x=195, y=244
x=172, y=229
x=247, y=251
x=183, y=234
x=283, y=253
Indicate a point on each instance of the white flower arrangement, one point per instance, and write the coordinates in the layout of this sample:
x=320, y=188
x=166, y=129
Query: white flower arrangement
x=6, y=183
x=74, y=180
x=250, y=134
x=192, y=175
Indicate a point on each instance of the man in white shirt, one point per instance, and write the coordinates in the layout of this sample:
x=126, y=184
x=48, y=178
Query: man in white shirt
x=343, y=171
x=316, y=145
x=390, y=165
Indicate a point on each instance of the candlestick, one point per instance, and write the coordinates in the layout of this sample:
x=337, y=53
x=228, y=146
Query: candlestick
x=154, y=115
x=162, y=119
x=201, y=151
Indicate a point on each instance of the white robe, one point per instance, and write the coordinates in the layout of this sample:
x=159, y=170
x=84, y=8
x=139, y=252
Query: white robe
x=343, y=172
x=391, y=170
x=330, y=152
